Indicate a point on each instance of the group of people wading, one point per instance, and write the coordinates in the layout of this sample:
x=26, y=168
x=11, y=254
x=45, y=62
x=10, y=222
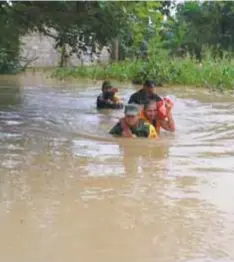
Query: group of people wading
x=144, y=115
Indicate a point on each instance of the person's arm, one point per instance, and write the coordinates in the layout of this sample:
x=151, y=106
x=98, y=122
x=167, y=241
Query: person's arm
x=126, y=132
x=109, y=102
x=130, y=100
x=169, y=124
x=103, y=103
x=105, y=100
x=156, y=97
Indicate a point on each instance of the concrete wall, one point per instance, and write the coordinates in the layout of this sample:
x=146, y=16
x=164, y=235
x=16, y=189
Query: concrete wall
x=36, y=45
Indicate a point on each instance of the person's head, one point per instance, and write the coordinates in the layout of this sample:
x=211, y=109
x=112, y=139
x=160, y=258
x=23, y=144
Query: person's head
x=149, y=86
x=107, y=89
x=106, y=86
x=150, y=110
x=131, y=112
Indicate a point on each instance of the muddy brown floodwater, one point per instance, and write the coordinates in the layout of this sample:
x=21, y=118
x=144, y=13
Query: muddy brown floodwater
x=69, y=192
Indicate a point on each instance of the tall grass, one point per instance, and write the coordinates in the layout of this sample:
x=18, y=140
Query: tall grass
x=213, y=73
x=125, y=70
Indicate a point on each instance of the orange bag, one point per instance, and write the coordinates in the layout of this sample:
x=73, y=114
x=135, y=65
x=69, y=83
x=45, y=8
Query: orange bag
x=169, y=103
x=163, y=107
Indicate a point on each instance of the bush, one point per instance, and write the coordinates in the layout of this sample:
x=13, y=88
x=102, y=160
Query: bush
x=9, y=63
x=214, y=73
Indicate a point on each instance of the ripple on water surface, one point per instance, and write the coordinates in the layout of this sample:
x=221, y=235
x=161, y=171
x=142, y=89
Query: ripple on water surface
x=69, y=191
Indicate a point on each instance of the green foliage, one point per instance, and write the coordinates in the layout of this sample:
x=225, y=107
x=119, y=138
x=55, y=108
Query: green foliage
x=85, y=25
x=9, y=63
x=211, y=73
x=124, y=70
x=142, y=21
x=136, y=28
x=198, y=24
x=9, y=42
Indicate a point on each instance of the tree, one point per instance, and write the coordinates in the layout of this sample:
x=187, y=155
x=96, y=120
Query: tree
x=9, y=41
x=201, y=24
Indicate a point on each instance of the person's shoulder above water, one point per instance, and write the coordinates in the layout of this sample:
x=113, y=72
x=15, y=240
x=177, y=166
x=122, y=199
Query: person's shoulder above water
x=149, y=129
x=124, y=126
x=147, y=92
x=152, y=131
x=149, y=86
x=100, y=97
x=136, y=97
x=101, y=102
x=116, y=130
x=155, y=97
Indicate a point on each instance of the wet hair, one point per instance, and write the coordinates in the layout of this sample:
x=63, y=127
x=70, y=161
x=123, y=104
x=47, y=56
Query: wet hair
x=148, y=103
x=106, y=84
x=149, y=83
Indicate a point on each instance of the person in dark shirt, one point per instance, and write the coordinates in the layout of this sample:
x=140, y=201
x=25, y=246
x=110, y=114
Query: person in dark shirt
x=145, y=94
x=132, y=126
x=108, y=97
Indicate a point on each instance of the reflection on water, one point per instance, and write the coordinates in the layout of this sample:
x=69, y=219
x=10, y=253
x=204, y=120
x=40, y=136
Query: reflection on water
x=10, y=96
x=70, y=192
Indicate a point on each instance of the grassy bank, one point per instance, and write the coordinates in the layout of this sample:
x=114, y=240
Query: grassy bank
x=217, y=74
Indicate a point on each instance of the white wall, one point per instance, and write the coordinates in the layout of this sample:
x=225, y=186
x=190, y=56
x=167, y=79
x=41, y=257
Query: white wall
x=36, y=45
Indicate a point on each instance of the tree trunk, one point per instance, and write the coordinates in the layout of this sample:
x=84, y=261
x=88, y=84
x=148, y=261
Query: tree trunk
x=63, y=54
x=115, y=50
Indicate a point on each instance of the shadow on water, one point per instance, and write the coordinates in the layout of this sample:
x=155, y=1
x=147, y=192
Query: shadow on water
x=10, y=94
x=10, y=121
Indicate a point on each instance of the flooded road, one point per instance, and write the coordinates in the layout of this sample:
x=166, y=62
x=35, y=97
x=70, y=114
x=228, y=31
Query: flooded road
x=69, y=192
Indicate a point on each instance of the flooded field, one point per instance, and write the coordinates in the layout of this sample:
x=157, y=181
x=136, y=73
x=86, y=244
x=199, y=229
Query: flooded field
x=70, y=192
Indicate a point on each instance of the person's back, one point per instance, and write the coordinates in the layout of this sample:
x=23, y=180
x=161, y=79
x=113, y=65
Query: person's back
x=146, y=93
